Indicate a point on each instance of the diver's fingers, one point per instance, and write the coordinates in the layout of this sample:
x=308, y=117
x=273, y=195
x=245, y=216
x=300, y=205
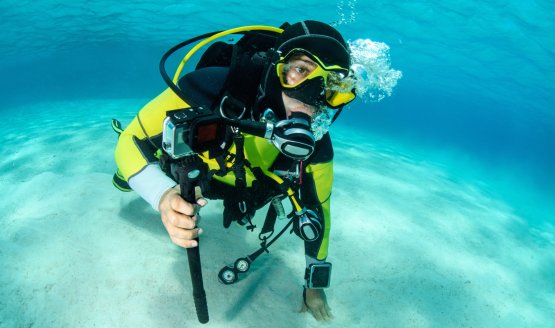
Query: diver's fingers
x=315, y=302
x=185, y=243
x=184, y=237
x=317, y=313
x=329, y=311
x=185, y=234
x=326, y=313
x=178, y=204
x=322, y=313
x=180, y=220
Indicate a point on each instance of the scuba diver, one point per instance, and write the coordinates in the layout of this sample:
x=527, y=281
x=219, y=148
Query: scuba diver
x=293, y=81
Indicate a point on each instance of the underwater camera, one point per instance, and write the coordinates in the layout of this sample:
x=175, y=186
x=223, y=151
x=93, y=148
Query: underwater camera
x=191, y=130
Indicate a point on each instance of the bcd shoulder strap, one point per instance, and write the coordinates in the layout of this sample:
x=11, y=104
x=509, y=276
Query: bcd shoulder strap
x=248, y=60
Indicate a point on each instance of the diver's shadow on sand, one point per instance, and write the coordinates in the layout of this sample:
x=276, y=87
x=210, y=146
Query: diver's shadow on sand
x=140, y=214
x=256, y=280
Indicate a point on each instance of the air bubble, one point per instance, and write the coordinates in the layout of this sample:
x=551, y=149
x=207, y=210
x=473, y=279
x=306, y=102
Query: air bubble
x=372, y=68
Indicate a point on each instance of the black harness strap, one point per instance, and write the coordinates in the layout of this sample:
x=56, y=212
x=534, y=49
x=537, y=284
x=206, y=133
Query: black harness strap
x=268, y=228
x=239, y=165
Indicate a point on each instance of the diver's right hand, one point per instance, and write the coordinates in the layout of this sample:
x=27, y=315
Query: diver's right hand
x=180, y=217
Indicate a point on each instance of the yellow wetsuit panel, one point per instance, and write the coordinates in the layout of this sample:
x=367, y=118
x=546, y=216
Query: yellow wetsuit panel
x=322, y=173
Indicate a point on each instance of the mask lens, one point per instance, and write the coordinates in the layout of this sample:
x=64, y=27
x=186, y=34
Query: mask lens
x=292, y=75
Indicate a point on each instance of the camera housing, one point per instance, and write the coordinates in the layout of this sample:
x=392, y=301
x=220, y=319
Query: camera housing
x=191, y=130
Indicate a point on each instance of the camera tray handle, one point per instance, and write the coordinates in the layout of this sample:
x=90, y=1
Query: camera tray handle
x=189, y=170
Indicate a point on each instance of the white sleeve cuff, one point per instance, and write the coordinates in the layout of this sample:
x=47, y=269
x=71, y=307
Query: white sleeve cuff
x=150, y=184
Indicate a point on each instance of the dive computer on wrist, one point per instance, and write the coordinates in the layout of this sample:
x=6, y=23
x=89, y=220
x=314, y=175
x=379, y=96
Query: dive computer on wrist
x=318, y=275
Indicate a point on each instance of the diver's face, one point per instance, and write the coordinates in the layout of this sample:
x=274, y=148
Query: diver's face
x=300, y=66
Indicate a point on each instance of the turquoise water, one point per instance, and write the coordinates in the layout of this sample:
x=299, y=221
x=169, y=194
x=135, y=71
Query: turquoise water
x=477, y=77
x=462, y=155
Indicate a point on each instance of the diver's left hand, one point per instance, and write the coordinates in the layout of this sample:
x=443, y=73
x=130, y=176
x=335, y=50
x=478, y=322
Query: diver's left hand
x=317, y=305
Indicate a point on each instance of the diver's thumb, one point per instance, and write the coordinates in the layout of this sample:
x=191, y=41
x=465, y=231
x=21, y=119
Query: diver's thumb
x=201, y=201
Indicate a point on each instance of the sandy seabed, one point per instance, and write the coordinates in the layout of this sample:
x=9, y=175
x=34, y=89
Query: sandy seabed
x=412, y=244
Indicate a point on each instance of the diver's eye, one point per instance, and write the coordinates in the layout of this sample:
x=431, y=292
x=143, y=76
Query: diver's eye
x=294, y=73
x=297, y=71
x=301, y=70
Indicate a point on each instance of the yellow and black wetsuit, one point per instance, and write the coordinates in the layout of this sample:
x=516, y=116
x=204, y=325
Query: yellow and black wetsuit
x=137, y=160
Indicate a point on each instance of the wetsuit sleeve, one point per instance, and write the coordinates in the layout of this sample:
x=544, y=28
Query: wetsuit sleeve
x=316, y=195
x=138, y=145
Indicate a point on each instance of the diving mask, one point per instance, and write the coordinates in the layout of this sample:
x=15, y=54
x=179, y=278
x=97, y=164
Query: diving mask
x=312, y=82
